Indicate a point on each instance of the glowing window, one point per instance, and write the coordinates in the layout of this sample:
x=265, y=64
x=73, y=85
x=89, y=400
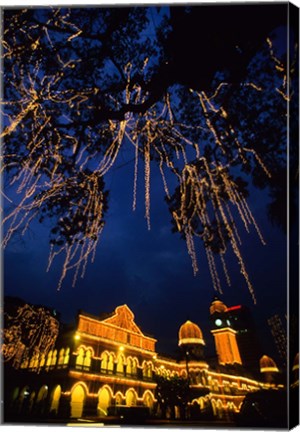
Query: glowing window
x=67, y=356
x=80, y=357
x=54, y=358
x=87, y=359
x=61, y=356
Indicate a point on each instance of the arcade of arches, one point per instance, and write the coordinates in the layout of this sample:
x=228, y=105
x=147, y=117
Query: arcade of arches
x=110, y=363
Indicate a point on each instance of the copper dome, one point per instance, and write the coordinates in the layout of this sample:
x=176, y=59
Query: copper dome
x=217, y=306
x=190, y=333
x=267, y=364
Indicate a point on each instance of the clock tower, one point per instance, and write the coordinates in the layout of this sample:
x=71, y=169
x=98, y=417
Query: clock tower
x=224, y=335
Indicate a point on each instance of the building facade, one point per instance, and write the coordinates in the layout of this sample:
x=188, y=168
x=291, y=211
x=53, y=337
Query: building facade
x=104, y=365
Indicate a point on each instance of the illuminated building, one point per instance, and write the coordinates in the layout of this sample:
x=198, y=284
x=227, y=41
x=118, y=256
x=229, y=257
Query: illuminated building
x=242, y=322
x=107, y=364
x=279, y=334
x=268, y=368
x=225, y=336
x=267, y=364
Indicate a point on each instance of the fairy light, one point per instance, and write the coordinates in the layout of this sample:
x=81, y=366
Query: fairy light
x=31, y=331
x=213, y=270
x=227, y=277
x=136, y=161
x=147, y=183
x=155, y=135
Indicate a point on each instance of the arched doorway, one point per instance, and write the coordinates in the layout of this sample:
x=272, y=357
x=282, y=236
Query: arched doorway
x=25, y=400
x=40, y=404
x=148, y=400
x=219, y=407
x=119, y=399
x=104, y=398
x=55, y=400
x=77, y=401
x=14, y=397
x=131, y=398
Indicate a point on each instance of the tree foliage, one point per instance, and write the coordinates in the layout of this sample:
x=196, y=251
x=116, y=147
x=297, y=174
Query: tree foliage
x=28, y=331
x=202, y=92
x=171, y=392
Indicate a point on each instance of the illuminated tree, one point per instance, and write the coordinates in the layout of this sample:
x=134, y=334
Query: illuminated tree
x=207, y=103
x=171, y=392
x=28, y=332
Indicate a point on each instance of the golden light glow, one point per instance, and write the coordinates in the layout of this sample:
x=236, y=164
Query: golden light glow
x=37, y=327
x=111, y=379
x=226, y=346
x=190, y=333
x=119, y=328
x=267, y=364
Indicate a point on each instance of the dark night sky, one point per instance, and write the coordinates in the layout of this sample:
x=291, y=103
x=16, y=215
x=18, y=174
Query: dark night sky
x=151, y=271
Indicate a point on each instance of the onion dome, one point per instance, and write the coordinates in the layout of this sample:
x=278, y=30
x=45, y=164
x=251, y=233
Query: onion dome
x=267, y=364
x=190, y=333
x=296, y=363
x=217, y=306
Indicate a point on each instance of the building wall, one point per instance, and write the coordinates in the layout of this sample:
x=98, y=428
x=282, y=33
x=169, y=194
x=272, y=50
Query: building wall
x=89, y=371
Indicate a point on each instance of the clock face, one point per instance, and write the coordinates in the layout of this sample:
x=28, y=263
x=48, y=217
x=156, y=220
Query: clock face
x=218, y=322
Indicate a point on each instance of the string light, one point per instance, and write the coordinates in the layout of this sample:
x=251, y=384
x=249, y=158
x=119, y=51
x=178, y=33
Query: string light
x=31, y=332
x=207, y=193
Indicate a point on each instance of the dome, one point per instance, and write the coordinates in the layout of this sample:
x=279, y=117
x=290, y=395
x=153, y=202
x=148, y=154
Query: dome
x=267, y=364
x=296, y=362
x=217, y=306
x=190, y=333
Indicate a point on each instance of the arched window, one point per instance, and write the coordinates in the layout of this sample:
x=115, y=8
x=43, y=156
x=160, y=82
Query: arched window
x=80, y=358
x=227, y=388
x=215, y=386
x=134, y=367
x=104, y=361
x=49, y=359
x=204, y=378
x=61, y=356
x=54, y=358
x=87, y=359
x=67, y=356
x=110, y=364
x=120, y=364
x=107, y=363
x=36, y=360
x=42, y=360
x=129, y=366
x=147, y=370
x=197, y=377
x=31, y=362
